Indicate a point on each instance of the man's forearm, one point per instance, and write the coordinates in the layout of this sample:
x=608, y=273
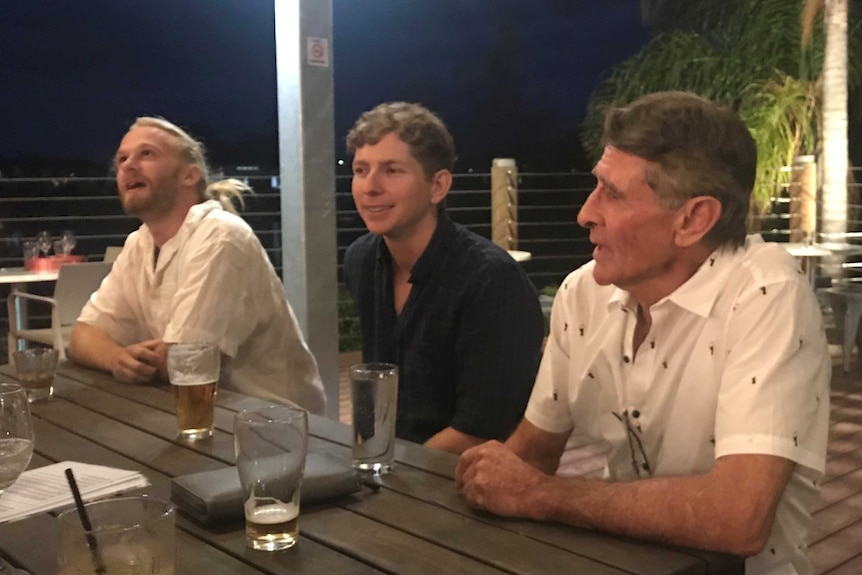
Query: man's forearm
x=453, y=441
x=537, y=447
x=93, y=347
x=703, y=511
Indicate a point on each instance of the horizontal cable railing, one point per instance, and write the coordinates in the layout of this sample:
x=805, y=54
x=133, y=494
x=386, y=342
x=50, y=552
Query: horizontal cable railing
x=548, y=204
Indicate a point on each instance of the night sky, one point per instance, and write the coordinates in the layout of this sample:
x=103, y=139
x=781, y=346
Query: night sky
x=510, y=77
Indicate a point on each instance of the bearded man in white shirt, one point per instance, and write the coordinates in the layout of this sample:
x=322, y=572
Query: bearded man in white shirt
x=698, y=353
x=194, y=271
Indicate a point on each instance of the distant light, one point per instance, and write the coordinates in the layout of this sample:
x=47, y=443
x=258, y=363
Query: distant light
x=340, y=162
x=469, y=170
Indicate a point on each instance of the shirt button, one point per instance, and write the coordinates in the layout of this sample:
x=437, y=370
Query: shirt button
x=636, y=413
x=625, y=359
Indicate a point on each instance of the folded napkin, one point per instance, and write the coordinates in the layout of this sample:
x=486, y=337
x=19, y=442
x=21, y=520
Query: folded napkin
x=215, y=497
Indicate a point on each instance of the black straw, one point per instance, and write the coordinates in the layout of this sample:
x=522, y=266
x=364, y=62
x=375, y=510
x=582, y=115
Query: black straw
x=98, y=563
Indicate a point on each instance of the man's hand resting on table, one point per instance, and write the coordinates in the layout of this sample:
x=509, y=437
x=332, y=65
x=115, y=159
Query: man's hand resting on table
x=140, y=362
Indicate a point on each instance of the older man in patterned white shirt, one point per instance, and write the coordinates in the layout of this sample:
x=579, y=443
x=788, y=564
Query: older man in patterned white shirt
x=698, y=353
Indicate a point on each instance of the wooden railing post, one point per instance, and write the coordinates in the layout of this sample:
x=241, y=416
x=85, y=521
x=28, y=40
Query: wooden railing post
x=803, y=199
x=504, y=203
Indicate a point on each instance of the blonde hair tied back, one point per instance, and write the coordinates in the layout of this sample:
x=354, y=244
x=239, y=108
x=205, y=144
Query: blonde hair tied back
x=227, y=191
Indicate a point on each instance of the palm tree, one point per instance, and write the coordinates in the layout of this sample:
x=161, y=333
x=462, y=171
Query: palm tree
x=743, y=53
x=834, y=148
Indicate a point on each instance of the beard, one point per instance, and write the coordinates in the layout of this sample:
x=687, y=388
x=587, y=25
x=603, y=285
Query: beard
x=157, y=198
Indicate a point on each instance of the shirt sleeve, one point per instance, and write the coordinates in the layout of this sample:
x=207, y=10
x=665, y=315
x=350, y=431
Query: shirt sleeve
x=110, y=308
x=212, y=291
x=548, y=408
x=498, y=348
x=774, y=393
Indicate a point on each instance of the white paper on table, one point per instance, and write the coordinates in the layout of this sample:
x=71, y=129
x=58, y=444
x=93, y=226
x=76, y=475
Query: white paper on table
x=46, y=488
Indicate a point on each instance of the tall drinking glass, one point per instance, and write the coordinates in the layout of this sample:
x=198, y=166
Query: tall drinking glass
x=44, y=241
x=68, y=241
x=30, y=249
x=193, y=369
x=16, y=433
x=271, y=444
x=374, y=388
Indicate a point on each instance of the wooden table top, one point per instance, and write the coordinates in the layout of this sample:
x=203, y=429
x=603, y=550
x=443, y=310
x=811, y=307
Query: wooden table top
x=416, y=523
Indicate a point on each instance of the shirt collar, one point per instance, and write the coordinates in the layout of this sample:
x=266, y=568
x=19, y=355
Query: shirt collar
x=700, y=292
x=195, y=215
x=435, y=251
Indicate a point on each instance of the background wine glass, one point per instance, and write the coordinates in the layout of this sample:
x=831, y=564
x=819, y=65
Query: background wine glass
x=68, y=241
x=44, y=241
x=16, y=433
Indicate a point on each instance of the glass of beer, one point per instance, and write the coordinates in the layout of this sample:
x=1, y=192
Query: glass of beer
x=271, y=444
x=35, y=367
x=193, y=369
x=126, y=535
x=374, y=390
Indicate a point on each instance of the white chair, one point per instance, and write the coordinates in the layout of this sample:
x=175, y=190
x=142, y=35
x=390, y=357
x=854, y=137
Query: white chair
x=846, y=306
x=111, y=253
x=75, y=284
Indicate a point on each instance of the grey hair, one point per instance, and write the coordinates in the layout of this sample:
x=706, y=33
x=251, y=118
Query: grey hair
x=698, y=147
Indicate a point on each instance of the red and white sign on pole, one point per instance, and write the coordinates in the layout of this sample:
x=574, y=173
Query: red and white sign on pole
x=317, y=52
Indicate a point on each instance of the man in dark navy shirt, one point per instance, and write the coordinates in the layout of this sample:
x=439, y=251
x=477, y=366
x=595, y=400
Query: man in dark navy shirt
x=456, y=313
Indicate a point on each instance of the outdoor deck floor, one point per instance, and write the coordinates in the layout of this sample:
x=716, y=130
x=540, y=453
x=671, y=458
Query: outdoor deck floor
x=835, y=541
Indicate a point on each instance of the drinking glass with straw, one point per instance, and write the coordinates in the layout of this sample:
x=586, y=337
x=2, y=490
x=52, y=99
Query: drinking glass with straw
x=117, y=536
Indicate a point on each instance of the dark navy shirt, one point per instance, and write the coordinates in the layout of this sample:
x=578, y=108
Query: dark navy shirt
x=468, y=340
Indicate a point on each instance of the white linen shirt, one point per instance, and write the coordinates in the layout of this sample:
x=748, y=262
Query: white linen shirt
x=735, y=362
x=212, y=282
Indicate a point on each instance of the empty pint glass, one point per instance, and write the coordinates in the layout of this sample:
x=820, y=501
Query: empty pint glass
x=193, y=369
x=271, y=444
x=374, y=389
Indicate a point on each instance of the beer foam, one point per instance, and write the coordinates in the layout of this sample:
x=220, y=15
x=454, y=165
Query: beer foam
x=273, y=513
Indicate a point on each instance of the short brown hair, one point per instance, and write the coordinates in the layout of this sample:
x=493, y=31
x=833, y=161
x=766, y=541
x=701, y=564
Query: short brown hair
x=700, y=148
x=423, y=132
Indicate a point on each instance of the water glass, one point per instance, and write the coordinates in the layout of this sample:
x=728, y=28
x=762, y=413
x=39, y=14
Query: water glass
x=44, y=241
x=271, y=444
x=131, y=535
x=193, y=370
x=35, y=367
x=16, y=433
x=374, y=389
x=30, y=249
x=68, y=240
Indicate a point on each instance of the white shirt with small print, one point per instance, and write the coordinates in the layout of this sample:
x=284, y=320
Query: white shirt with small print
x=735, y=362
x=211, y=282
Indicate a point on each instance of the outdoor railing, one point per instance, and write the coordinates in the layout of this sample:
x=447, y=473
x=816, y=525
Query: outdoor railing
x=548, y=204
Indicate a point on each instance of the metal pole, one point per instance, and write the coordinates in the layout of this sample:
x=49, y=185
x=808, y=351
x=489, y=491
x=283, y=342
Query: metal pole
x=303, y=30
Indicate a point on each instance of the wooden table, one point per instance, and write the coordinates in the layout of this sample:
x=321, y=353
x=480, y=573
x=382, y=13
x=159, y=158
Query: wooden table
x=416, y=523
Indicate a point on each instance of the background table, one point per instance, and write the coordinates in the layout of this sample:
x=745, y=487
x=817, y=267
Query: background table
x=415, y=523
x=21, y=276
